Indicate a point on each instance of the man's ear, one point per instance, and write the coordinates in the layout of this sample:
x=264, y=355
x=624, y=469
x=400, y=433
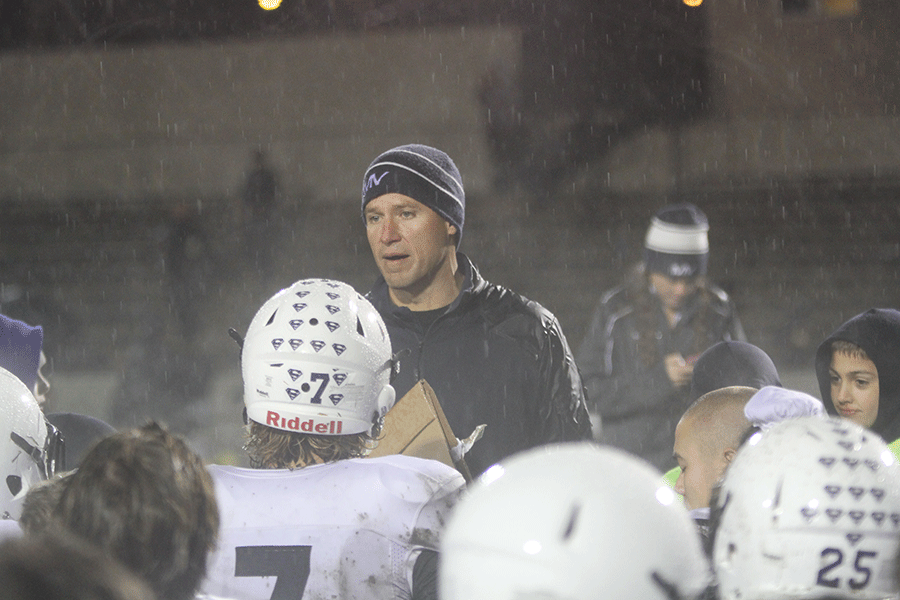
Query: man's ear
x=451, y=228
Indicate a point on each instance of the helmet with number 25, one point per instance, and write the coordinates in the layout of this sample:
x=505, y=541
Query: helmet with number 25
x=809, y=509
x=317, y=359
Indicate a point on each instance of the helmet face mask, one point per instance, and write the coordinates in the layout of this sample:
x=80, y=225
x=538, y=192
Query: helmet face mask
x=317, y=359
x=809, y=509
x=50, y=458
x=31, y=449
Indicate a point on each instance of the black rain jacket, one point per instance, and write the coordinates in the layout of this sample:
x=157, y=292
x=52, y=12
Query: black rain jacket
x=492, y=357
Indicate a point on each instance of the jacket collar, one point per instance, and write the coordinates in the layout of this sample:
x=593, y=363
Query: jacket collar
x=472, y=285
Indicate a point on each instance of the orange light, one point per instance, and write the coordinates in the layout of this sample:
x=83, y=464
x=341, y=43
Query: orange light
x=693, y=2
x=269, y=4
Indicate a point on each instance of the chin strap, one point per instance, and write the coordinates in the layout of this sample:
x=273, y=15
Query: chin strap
x=237, y=337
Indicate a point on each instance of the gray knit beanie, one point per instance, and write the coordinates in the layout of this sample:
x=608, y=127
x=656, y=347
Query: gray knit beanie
x=425, y=174
x=676, y=243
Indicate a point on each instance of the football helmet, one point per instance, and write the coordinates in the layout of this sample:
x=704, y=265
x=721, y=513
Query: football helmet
x=572, y=521
x=317, y=359
x=808, y=509
x=32, y=449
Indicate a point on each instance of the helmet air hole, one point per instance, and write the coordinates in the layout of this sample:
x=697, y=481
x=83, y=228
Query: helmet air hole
x=359, y=327
x=14, y=483
x=314, y=321
x=305, y=387
x=570, y=526
x=272, y=318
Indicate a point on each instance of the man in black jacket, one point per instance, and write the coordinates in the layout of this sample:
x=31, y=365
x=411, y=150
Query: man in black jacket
x=492, y=356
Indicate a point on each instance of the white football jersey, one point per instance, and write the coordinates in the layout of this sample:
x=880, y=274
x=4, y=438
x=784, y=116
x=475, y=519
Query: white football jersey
x=9, y=529
x=351, y=529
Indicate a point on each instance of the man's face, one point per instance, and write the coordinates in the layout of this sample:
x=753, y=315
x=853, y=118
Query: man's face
x=700, y=471
x=410, y=242
x=673, y=292
x=854, y=388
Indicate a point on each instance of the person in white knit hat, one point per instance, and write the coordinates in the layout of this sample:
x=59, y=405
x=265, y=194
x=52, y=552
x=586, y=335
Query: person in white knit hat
x=637, y=356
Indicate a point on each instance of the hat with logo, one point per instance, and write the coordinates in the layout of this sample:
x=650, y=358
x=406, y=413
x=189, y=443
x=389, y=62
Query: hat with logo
x=676, y=243
x=422, y=173
x=20, y=349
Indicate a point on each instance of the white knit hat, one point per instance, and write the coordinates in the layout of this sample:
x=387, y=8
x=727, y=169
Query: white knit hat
x=676, y=243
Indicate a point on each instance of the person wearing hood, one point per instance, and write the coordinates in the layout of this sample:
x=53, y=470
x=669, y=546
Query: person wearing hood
x=858, y=368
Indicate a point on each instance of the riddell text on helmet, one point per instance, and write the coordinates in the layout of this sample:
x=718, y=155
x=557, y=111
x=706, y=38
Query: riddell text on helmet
x=273, y=419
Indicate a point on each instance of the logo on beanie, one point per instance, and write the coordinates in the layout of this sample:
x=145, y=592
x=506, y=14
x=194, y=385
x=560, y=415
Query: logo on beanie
x=372, y=181
x=681, y=270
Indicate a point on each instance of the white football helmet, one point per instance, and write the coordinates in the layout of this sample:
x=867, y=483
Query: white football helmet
x=574, y=521
x=809, y=509
x=317, y=359
x=31, y=449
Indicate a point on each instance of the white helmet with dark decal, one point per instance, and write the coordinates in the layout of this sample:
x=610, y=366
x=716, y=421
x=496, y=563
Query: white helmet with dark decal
x=574, y=521
x=317, y=359
x=31, y=449
x=809, y=509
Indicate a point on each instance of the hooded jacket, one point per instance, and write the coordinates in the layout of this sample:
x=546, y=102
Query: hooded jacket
x=877, y=331
x=492, y=357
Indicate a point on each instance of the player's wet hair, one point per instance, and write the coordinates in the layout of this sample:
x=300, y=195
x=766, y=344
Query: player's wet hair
x=270, y=448
x=144, y=497
x=39, y=505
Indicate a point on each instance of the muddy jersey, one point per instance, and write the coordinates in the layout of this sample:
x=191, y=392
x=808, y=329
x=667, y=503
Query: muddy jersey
x=350, y=530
